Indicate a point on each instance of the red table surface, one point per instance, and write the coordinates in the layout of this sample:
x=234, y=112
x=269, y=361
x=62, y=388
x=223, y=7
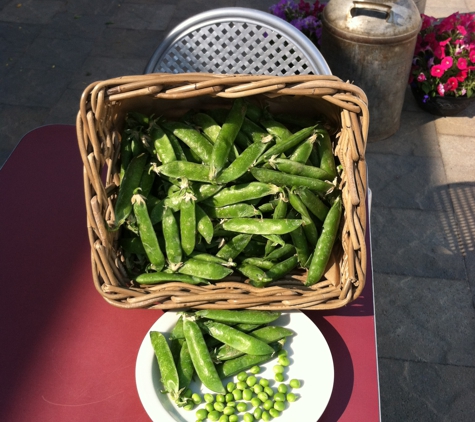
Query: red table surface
x=66, y=354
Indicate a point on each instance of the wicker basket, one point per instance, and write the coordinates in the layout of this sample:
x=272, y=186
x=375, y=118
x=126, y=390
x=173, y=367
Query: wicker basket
x=102, y=112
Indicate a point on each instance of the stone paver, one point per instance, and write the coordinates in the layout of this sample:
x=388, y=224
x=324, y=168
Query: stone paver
x=416, y=321
x=422, y=392
x=455, y=150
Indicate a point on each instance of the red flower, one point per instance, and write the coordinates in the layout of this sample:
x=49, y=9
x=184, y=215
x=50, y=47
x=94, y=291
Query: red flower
x=437, y=71
x=447, y=63
x=439, y=52
x=451, y=84
x=472, y=56
x=462, y=63
x=462, y=75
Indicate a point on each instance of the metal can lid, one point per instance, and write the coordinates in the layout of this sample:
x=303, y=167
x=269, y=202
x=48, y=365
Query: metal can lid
x=372, y=21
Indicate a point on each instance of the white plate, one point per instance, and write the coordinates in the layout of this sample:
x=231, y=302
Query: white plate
x=311, y=363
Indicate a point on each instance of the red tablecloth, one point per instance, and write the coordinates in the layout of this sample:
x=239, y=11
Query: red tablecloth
x=66, y=354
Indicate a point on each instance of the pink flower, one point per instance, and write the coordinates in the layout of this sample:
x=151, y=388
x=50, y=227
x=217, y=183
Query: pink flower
x=462, y=63
x=461, y=30
x=451, y=84
x=472, y=56
x=437, y=71
x=447, y=63
x=421, y=77
x=440, y=90
x=444, y=43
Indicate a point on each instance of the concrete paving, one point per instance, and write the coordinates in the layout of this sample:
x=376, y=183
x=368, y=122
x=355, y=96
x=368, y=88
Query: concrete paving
x=422, y=179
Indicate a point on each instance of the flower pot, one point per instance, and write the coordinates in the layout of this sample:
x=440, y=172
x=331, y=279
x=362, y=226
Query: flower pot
x=442, y=106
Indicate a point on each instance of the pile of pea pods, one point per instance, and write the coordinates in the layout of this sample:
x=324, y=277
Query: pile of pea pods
x=224, y=349
x=224, y=190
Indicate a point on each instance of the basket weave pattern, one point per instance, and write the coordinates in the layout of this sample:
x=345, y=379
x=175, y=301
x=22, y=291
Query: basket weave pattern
x=102, y=112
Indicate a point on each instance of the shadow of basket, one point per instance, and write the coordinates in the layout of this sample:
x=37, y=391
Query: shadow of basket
x=457, y=201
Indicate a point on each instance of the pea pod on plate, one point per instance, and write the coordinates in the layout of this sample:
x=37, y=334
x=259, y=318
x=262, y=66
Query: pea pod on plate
x=237, y=339
x=200, y=356
x=166, y=364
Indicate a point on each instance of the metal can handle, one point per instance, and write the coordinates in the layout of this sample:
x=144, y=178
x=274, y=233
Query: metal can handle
x=372, y=10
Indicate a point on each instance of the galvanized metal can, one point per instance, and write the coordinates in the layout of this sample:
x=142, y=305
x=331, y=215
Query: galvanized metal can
x=371, y=43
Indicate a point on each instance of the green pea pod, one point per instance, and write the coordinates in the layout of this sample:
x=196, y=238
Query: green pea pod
x=233, y=367
x=163, y=277
x=232, y=211
x=325, y=244
x=208, y=125
x=293, y=167
x=147, y=233
x=257, y=276
x=184, y=367
x=313, y=203
x=266, y=208
x=282, y=268
x=300, y=243
x=247, y=327
x=177, y=331
x=327, y=159
x=192, y=138
x=234, y=247
x=161, y=142
x=237, y=339
x=203, y=191
x=268, y=334
x=291, y=180
x=261, y=225
x=203, y=269
x=242, y=163
x=203, y=256
x=185, y=169
x=171, y=235
x=303, y=152
x=166, y=364
x=271, y=333
x=227, y=135
x=204, y=225
x=279, y=212
x=255, y=131
x=130, y=182
x=241, y=316
x=276, y=129
x=242, y=192
x=283, y=252
x=156, y=213
x=289, y=143
x=200, y=356
x=176, y=145
x=188, y=223
x=308, y=225
x=262, y=263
